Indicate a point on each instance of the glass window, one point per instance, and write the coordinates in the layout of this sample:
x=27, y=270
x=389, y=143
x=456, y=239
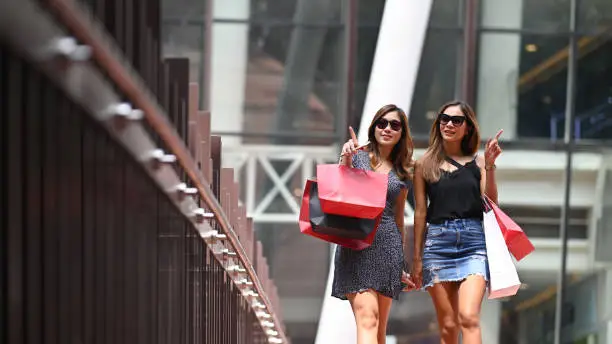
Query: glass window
x=184, y=33
x=186, y=41
x=275, y=77
x=594, y=88
x=370, y=12
x=293, y=84
x=533, y=15
x=273, y=12
x=522, y=84
x=594, y=16
x=440, y=69
x=438, y=78
x=183, y=9
x=447, y=13
x=368, y=26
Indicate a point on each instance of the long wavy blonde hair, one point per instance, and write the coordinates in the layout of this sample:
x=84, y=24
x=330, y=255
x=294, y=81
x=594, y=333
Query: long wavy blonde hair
x=401, y=155
x=434, y=155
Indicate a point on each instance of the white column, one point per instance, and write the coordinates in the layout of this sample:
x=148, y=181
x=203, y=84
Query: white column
x=606, y=338
x=490, y=321
x=397, y=57
x=498, y=64
x=337, y=323
x=229, y=64
x=394, y=73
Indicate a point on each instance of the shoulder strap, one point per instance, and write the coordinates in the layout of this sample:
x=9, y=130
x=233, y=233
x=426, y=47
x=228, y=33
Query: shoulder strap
x=454, y=163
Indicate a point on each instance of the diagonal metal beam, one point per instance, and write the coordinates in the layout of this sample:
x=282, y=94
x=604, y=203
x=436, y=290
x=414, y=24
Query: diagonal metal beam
x=279, y=185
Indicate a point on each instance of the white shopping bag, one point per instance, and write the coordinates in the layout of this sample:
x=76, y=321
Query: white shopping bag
x=503, y=278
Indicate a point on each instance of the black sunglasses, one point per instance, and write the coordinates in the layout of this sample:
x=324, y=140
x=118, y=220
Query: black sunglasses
x=457, y=120
x=383, y=123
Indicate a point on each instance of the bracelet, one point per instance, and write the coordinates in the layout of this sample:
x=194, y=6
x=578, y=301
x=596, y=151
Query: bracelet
x=490, y=168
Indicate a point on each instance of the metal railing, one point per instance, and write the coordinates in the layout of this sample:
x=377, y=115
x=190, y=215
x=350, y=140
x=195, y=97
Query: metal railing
x=117, y=227
x=586, y=125
x=254, y=165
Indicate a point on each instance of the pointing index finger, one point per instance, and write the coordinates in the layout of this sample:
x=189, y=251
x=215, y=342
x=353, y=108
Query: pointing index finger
x=499, y=134
x=353, y=136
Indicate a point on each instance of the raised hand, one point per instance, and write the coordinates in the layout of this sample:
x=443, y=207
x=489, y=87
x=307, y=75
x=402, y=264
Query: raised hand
x=492, y=149
x=351, y=146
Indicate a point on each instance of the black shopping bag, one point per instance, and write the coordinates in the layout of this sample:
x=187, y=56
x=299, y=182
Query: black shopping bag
x=338, y=225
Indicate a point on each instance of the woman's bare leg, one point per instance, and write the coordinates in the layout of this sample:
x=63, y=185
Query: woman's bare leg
x=471, y=292
x=444, y=296
x=365, y=309
x=384, y=308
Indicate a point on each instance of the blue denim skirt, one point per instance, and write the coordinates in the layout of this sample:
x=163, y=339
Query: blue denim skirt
x=453, y=251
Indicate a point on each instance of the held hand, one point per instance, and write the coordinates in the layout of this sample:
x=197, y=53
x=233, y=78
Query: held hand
x=492, y=150
x=417, y=270
x=407, y=280
x=350, y=147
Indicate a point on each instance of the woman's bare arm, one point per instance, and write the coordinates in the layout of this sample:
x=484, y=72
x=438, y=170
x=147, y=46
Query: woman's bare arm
x=400, y=203
x=488, y=183
x=420, y=211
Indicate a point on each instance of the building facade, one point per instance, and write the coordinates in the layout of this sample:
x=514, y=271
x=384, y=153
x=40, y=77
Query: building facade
x=284, y=79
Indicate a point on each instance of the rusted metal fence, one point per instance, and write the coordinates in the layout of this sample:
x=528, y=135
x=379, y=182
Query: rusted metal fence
x=118, y=224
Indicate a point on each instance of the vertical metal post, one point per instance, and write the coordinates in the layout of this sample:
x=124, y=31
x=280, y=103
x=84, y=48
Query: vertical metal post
x=569, y=146
x=470, y=42
x=344, y=118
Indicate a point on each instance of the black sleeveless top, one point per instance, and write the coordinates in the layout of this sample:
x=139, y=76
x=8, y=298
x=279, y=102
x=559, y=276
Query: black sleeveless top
x=456, y=195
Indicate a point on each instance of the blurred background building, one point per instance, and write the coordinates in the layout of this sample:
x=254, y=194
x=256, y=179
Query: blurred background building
x=283, y=79
x=287, y=77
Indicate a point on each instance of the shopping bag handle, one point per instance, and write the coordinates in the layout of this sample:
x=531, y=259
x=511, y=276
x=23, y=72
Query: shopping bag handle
x=486, y=203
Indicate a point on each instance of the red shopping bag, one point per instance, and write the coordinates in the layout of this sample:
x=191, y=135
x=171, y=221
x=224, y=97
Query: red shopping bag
x=306, y=226
x=351, y=191
x=517, y=241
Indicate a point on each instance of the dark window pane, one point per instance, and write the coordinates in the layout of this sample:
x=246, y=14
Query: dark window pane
x=594, y=88
x=370, y=16
x=370, y=12
x=594, y=16
x=447, y=13
x=522, y=85
x=271, y=11
x=438, y=77
x=183, y=9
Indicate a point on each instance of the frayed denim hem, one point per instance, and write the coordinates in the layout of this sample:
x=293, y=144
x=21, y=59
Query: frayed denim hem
x=433, y=282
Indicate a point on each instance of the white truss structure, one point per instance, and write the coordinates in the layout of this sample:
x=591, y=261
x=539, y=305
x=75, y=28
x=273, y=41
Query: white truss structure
x=253, y=162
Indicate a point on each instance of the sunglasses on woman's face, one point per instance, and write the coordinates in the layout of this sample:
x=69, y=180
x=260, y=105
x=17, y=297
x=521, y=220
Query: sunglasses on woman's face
x=383, y=123
x=457, y=120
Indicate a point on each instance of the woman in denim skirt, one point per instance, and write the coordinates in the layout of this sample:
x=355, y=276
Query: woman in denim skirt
x=450, y=258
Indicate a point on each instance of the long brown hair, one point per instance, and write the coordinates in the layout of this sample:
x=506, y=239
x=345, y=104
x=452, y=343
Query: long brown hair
x=434, y=155
x=401, y=155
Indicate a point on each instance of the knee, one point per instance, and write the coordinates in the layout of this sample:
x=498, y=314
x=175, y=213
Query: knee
x=367, y=317
x=449, y=326
x=469, y=320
